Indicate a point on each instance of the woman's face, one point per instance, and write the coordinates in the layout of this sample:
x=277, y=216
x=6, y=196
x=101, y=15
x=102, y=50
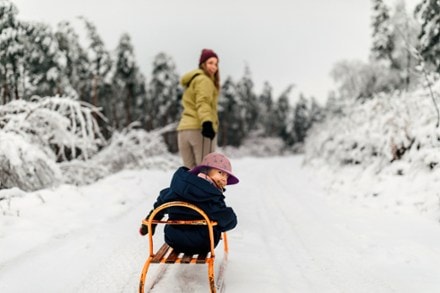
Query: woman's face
x=211, y=66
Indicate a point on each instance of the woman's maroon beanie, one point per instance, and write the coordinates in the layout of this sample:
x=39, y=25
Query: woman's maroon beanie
x=206, y=54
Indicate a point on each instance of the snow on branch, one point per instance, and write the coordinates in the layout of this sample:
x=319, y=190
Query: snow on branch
x=130, y=148
x=25, y=166
x=394, y=132
x=53, y=140
x=35, y=134
x=63, y=128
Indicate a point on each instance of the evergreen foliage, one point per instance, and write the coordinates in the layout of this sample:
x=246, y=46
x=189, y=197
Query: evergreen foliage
x=45, y=63
x=428, y=12
x=12, y=48
x=232, y=129
x=266, y=120
x=100, y=66
x=245, y=92
x=282, y=114
x=129, y=87
x=383, y=42
x=301, y=120
x=77, y=64
x=163, y=100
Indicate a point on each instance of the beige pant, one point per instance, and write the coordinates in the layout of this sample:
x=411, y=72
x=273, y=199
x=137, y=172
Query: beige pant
x=193, y=146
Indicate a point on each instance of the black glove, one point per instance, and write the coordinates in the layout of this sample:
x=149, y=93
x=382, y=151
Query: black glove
x=207, y=130
x=143, y=230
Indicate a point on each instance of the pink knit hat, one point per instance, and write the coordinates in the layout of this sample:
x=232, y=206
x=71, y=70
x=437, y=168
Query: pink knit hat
x=206, y=54
x=217, y=161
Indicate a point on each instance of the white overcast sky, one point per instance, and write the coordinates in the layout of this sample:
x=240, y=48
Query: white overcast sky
x=282, y=41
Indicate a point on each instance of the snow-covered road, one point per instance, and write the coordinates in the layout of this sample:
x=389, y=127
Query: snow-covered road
x=291, y=237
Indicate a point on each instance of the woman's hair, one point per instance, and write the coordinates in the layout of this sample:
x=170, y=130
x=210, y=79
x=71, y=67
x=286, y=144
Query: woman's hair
x=216, y=75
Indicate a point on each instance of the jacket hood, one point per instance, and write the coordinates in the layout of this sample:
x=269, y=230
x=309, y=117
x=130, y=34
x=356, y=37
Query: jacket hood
x=193, y=188
x=188, y=77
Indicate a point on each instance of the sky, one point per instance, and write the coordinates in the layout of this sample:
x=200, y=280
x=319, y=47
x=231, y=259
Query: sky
x=283, y=42
x=301, y=230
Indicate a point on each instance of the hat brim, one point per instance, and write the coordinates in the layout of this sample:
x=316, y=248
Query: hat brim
x=231, y=178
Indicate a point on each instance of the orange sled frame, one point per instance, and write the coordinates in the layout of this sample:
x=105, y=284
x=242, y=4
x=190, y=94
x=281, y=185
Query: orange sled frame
x=166, y=255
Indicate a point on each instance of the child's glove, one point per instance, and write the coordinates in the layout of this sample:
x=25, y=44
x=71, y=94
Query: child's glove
x=143, y=230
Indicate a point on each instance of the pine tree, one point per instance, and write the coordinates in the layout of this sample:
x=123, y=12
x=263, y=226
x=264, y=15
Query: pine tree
x=266, y=118
x=46, y=64
x=405, y=40
x=301, y=119
x=283, y=115
x=245, y=92
x=232, y=131
x=316, y=112
x=129, y=83
x=77, y=65
x=383, y=38
x=163, y=100
x=428, y=11
x=11, y=53
x=100, y=66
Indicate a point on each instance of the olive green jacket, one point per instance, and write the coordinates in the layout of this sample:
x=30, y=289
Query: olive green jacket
x=199, y=101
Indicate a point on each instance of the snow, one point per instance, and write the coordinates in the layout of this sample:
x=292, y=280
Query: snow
x=301, y=229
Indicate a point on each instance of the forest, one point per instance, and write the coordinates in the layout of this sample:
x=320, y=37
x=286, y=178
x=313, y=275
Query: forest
x=74, y=113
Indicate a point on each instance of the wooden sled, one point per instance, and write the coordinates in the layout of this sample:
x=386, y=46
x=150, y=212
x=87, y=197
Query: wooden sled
x=166, y=255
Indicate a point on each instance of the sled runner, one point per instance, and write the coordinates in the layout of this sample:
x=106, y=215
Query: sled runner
x=166, y=255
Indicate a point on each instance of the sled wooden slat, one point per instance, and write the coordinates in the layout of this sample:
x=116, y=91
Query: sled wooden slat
x=160, y=255
x=167, y=255
x=186, y=258
x=174, y=255
x=201, y=258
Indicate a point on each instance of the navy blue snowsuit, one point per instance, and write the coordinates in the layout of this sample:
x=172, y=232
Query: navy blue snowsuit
x=200, y=192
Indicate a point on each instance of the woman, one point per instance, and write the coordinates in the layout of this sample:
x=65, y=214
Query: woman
x=199, y=122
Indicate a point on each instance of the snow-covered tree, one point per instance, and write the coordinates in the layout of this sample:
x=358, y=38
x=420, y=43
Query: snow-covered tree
x=232, y=131
x=11, y=53
x=406, y=30
x=316, y=111
x=394, y=132
x=128, y=81
x=100, y=66
x=360, y=81
x=245, y=92
x=428, y=12
x=77, y=65
x=45, y=62
x=163, y=103
x=383, y=36
x=301, y=119
x=266, y=117
x=284, y=117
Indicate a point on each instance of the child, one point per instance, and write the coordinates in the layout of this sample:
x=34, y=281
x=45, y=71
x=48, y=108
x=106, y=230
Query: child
x=202, y=186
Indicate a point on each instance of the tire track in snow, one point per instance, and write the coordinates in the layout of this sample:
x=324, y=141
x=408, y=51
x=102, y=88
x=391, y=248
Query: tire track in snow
x=319, y=257
x=332, y=249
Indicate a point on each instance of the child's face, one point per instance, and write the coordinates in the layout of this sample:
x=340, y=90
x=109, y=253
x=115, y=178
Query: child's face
x=219, y=177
